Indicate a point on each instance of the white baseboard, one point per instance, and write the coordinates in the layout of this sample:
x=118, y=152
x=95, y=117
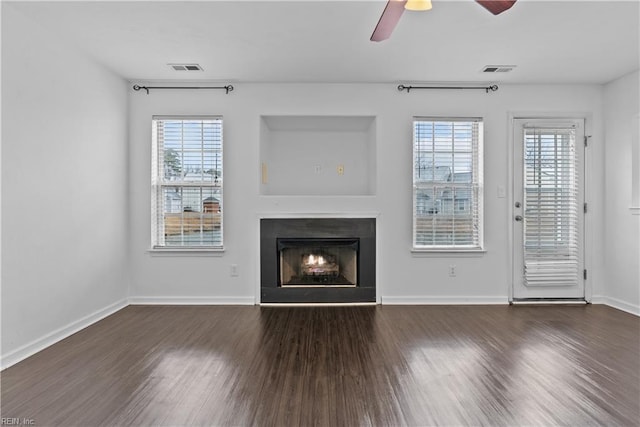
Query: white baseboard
x=616, y=303
x=49, y=339
x=192, y=301
x=446, y=300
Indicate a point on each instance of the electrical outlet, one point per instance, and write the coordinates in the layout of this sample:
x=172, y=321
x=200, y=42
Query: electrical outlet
x=452, y=270
x=317, y=169
x=234, y=270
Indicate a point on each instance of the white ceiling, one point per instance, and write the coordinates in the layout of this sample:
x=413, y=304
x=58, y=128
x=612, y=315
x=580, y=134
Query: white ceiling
x=328, y=41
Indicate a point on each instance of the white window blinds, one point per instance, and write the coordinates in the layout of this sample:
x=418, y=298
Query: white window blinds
x=187, y=182
x=552, y=255
x=447, y=183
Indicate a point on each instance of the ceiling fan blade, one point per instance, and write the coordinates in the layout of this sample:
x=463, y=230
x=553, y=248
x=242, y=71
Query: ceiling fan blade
x=388, y=20
x=496, y=6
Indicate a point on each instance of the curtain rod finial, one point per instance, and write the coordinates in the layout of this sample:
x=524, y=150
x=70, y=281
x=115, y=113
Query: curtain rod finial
x=137, y=88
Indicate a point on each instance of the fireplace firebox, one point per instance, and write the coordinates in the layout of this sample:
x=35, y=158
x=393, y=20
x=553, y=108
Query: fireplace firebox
x=318, y=260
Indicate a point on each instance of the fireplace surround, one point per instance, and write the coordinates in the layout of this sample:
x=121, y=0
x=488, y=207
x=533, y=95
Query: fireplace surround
x=317, y=260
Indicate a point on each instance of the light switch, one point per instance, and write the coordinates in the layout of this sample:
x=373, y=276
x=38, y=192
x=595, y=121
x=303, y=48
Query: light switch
x=502, y=192
x=340, y=169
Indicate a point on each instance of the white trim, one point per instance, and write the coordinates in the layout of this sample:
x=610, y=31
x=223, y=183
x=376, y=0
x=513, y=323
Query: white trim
x=216, y=252
x=616, y=303
x=446, y=253
x=635, y=164
x=296, y=215
x=168, y=300
x=379, y=289
x=59, y=334
x=292, y=197
x=511, y=117
x=187, y=117
x=445, y=300
x=550, y=302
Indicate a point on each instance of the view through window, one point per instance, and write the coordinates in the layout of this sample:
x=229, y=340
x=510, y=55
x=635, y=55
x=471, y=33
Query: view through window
x=187, y=182
x=447, y=183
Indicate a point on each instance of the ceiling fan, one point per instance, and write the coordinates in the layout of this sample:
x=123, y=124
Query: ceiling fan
x=394, y=9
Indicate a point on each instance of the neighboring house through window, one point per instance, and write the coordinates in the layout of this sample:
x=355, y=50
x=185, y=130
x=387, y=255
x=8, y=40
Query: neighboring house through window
x=187, y=182
x=447, y=183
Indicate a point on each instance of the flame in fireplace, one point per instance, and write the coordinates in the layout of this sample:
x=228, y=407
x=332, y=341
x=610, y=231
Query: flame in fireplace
x=319, y=264
x=315, y=260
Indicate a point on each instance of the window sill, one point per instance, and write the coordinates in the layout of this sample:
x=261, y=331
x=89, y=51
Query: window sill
x=206, y=252
x=444, y=252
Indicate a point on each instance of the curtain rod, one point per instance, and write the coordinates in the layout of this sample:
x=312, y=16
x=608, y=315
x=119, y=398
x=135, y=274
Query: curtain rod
x=487, y=89
x=227, y=88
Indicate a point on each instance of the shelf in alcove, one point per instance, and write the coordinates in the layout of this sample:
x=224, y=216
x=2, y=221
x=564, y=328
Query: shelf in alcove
x=302, y=155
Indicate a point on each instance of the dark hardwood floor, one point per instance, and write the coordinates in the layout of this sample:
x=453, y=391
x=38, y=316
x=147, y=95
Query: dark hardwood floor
x=338, y=366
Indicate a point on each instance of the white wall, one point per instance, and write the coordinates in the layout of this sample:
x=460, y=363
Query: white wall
x=622, y=228
x=319, y=146
x=402, y=276
x=64, y=194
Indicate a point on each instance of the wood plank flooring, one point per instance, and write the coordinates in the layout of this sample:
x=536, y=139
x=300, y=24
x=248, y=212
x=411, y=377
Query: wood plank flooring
x=338, y=366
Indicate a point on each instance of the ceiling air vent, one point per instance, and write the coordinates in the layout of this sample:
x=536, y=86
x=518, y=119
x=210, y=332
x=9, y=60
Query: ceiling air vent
x=186, y=67
x=498, y=68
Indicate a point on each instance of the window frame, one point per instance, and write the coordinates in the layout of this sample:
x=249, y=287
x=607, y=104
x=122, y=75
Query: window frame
x=158, y=183
x=478, y=183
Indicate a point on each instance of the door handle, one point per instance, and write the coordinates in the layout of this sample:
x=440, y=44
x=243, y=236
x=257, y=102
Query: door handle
x=518, y=217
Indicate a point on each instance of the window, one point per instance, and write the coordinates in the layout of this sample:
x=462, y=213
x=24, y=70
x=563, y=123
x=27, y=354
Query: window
x=447, y=184
x=187, y=182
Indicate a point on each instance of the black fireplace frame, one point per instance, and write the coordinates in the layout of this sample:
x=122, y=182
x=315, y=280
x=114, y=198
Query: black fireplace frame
x=272, y=229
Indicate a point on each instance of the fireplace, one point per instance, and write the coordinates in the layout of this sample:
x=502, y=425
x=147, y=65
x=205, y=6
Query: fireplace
x=309, y=260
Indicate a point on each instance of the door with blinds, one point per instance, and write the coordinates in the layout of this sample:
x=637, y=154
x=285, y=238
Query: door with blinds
x=548, y=211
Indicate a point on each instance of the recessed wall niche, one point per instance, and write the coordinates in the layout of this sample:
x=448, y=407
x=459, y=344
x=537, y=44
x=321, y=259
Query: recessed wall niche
x=318, y=155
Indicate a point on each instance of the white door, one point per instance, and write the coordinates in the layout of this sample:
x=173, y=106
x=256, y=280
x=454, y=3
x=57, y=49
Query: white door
x=548, y=211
